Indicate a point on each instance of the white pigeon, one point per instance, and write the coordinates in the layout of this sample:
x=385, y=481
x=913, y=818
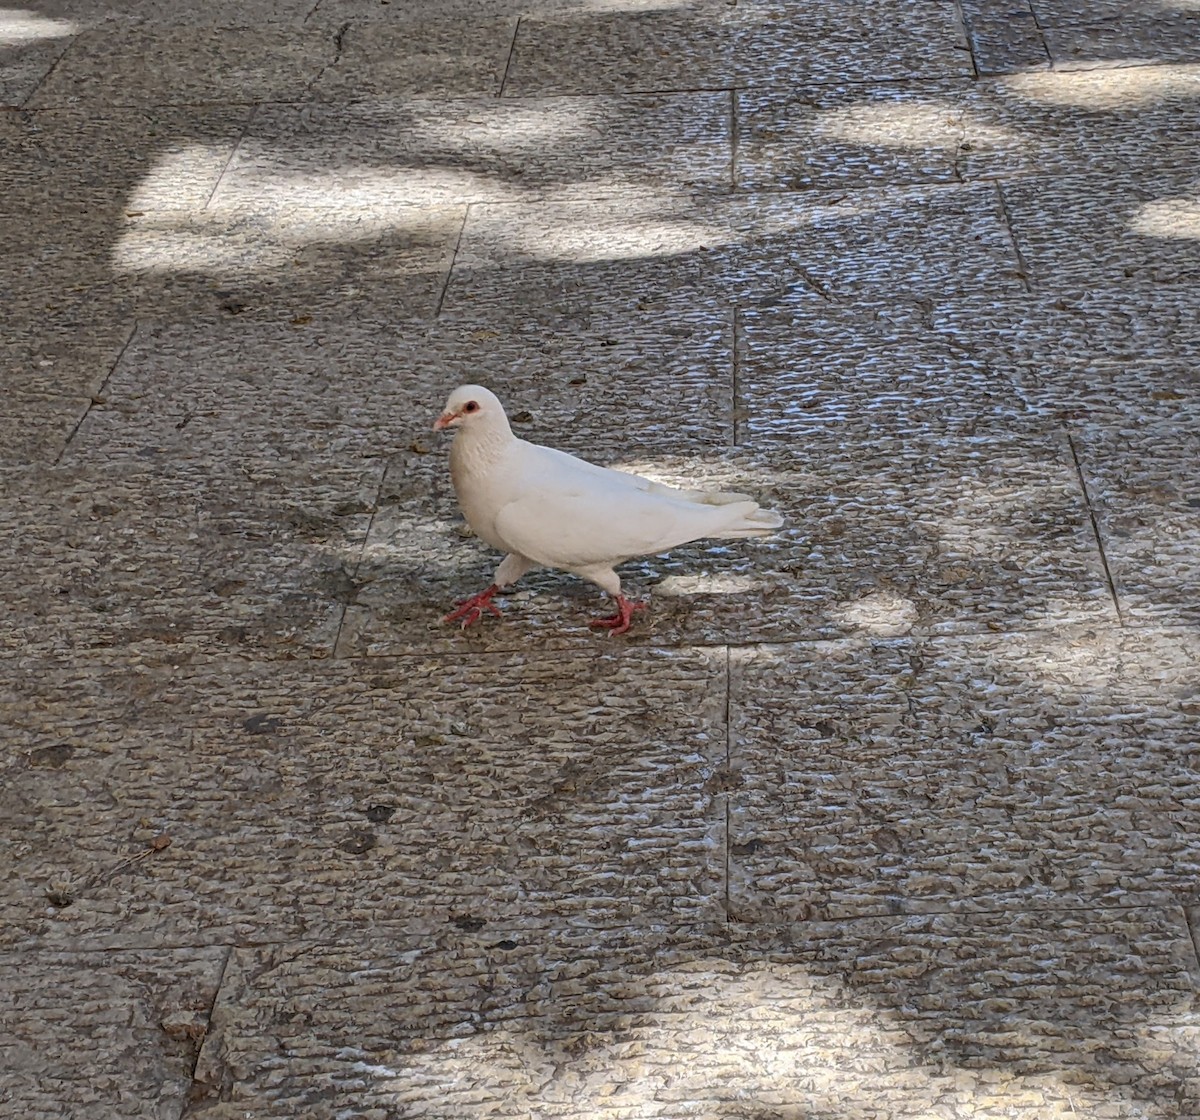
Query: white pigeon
x=546, y=508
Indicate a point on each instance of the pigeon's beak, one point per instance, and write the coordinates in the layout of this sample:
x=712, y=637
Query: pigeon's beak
x=444, y=421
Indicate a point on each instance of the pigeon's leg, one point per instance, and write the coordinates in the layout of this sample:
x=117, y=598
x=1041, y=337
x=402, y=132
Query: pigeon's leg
x=619, y=622
x=471, y=610
x=511, y=569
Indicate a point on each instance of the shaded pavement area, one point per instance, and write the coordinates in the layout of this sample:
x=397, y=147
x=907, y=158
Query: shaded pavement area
x=894, y=815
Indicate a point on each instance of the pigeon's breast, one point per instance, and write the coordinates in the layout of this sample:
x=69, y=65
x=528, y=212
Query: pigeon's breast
x=481, y=484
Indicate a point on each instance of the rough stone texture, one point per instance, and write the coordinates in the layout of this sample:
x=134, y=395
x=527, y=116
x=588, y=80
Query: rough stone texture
x=124, y=160
x=143, y=1014
x=24, y=63
x=1088, y=231
x=312, y=800
x=880, y=540
x=657, y=249
x=170, y=65
x=113, y=14
x=708, y=44
x=421, y=153
x=243, y=558
x=954, y=131
x=1094, y=38
x=1103, y=354
x=1017, y=770
x=1141, y=479
x=266, y=262
x=316, y=393
x=438, y=57
x=1004, y=36
x=809, y=370
x=931, y=854
x=1087, y=1014
x=36, y=430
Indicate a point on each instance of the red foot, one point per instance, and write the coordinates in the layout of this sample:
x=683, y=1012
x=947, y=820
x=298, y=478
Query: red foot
x=471, y=610
x=619, y=622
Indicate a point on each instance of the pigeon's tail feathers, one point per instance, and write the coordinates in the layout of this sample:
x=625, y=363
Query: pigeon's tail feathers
x=749, y=520
x=703, y=497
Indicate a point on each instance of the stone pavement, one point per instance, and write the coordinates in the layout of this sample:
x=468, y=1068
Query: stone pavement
x=893, y=815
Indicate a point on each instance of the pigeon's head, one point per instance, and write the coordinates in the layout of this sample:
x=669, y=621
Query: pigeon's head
x=470, y=406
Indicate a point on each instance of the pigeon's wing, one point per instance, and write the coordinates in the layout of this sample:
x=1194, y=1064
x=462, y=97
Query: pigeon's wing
x=571, y=518
x=551, y=458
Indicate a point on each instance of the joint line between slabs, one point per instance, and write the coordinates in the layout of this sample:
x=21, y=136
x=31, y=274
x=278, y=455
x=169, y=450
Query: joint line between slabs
x=232, y=152
x=1193, y=933
x=1022, y=267
x=1041, y=30
x=98, y=393
x=212, y=1008
x=735, y=377
x=733, y=140
x=337, y=638
x=1087, y=501
x=962, y=22
x=437, y=313
x=46, y=76
x=512, y=50
x=728, y=764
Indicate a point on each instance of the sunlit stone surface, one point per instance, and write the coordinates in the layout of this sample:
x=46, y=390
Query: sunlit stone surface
x=891, y=815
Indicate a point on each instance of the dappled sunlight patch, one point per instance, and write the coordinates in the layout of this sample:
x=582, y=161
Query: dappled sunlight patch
x=770, y=1035
x=884, y=613
x=362, y=188
x=582, y=6
x=909, y=125
x=1172, y=218
x=510, y=126
x=234, y=243
x=578, y=237
x=18, y=28
x=706, y=583
x=1107, y=89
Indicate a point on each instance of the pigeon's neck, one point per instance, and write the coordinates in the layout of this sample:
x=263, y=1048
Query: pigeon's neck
x=476, y=450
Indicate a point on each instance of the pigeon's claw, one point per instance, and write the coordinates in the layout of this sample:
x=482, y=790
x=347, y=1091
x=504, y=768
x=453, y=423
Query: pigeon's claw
x=471, y=610
x=619, y=622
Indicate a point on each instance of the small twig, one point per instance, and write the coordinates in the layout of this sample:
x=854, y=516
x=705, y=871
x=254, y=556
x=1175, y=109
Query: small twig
x=60, y=896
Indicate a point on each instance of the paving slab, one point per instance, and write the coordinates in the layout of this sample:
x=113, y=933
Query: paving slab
x=423, y=152
x=864, y=245
x=991, y=772
x=1093, y=35
x=228, y=13
x=879, y=539
x=1103, y=354
x=142, y=1013
x=35, y=430
x=716, y=45
x=265, y=262
x=1004, y=36
x=51, y=367
x=153, y=65
x=1039, y=123
x=122, y=160
x=379, y=12
x=244, y=558
x=811, y=371
x=1139, y=228
x=423, y=793
x=430, y=54
x=29, y=49
x=320, y=393
x=1142, y=480
x=1087, y=1014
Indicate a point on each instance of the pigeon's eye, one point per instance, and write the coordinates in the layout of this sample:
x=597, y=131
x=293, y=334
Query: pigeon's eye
x=472, y=406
